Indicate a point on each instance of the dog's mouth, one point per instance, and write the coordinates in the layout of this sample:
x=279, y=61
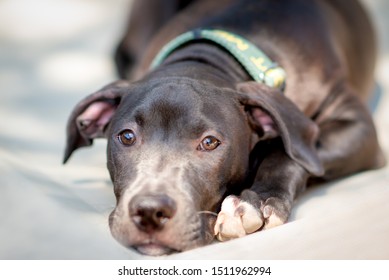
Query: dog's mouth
x=154, y=249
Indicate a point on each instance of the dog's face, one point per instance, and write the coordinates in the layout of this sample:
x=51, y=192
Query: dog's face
x=173, y=150
x=176, y=147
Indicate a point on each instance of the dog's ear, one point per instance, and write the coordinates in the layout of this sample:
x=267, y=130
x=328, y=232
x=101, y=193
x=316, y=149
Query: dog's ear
x=91, y=116
x=271, y=114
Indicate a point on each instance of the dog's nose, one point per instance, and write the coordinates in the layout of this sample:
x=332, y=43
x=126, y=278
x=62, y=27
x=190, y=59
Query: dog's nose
x=151, y=212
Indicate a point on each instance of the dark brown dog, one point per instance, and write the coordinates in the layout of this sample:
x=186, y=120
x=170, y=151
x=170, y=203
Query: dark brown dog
x=197, y=131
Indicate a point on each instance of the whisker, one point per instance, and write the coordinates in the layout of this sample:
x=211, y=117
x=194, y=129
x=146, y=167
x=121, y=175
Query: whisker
x=207, y=212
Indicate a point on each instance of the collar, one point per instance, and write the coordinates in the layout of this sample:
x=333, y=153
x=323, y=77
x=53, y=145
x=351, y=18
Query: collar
x=259, y=66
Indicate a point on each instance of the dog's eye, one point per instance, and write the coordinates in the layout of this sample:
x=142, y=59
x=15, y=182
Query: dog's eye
x=127, y=137
x=209, y=143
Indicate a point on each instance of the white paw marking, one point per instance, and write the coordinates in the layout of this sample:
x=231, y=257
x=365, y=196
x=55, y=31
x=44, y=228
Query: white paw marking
x=236, y=219
x=272, y=220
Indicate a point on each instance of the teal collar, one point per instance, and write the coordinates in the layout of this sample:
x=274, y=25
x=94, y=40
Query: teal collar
x=254, y=61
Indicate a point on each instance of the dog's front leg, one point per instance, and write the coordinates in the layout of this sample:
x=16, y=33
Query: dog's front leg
x=268, y=202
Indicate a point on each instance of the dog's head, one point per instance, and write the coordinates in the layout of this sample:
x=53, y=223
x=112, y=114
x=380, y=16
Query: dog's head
x=177, y=147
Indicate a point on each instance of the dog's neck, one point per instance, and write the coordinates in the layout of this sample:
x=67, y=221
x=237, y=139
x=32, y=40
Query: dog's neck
x=204, y=61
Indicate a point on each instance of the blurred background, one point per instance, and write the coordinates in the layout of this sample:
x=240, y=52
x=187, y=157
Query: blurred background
x=52, y=54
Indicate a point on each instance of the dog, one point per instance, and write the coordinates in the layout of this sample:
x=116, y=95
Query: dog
x=200, y=145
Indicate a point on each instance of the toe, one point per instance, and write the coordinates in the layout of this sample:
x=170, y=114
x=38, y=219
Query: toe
x=228, y=227
x=275, y=214
x=252, y=219
x=273, y=221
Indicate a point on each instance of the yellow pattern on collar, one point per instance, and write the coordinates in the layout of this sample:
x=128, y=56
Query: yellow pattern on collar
x=260, y=67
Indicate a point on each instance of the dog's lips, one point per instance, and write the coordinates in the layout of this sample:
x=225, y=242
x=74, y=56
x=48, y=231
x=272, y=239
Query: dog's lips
x=154, y=249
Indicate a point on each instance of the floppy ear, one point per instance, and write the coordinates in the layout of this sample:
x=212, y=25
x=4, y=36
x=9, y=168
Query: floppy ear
x=91, y=116
x=271, y=114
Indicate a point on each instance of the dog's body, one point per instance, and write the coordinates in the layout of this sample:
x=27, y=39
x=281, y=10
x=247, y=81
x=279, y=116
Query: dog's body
x=197, y=129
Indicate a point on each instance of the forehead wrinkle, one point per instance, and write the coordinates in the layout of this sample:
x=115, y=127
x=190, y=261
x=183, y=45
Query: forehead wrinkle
x=167, y=117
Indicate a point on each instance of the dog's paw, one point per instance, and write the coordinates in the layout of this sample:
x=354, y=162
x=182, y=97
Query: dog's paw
x=238, y=218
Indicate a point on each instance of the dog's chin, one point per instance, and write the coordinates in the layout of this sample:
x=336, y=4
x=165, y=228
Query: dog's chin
x=152, y=249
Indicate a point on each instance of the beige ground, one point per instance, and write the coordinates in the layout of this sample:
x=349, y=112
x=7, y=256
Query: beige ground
x=52, y=53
